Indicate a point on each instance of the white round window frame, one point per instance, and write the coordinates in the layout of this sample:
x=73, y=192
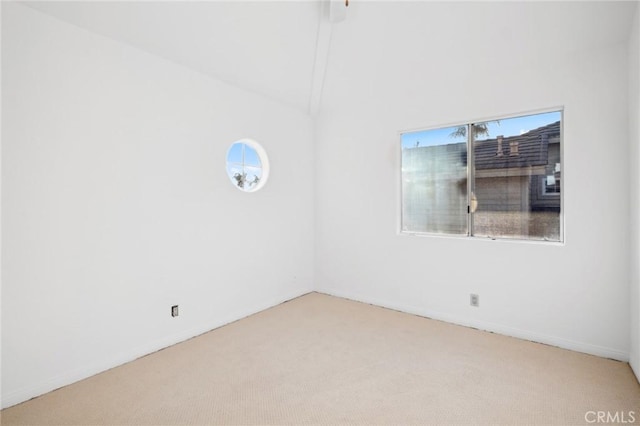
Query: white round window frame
x=264, y=164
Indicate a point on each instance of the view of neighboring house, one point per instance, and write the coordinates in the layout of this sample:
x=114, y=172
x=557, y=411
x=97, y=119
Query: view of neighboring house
x=516, y=193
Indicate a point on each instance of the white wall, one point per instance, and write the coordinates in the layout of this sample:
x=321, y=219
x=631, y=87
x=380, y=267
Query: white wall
x=634, y=139
x=0, y=207
x=440, y=64
x=116, y=204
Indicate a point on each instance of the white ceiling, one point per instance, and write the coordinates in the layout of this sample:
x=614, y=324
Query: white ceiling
x=265, y=47
x=396, y=51
x=271, y=47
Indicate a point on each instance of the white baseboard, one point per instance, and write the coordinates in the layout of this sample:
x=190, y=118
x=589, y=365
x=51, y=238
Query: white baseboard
x=68, y=377
x=560, y=342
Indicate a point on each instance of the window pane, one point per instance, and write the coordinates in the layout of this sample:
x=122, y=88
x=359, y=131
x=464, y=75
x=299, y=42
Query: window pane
x=251, y=156
x=235, y=153
x=434, y=181
x=517, y=177
x=254, y=174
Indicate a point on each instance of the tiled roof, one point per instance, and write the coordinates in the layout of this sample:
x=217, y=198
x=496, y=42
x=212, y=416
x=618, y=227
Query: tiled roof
x=532, y=149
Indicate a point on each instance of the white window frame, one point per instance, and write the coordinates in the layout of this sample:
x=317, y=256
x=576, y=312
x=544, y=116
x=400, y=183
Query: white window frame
x=471, y=181
x=264, y=164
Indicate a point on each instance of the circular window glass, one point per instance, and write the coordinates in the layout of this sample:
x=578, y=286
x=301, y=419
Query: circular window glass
x=247, y=165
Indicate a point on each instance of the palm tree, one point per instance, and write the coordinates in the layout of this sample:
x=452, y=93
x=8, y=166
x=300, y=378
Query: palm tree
x=480, y=129
x=241, y=179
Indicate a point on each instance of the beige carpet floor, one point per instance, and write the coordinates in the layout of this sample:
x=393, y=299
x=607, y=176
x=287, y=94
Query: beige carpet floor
x=324, y=360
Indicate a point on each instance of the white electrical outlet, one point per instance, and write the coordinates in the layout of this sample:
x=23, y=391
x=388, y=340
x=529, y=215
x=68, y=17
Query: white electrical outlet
x=174, y=311
x=475, y=300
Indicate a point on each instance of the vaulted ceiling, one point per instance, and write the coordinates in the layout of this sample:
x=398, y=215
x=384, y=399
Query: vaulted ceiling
x=280, y=49
x=266, y=47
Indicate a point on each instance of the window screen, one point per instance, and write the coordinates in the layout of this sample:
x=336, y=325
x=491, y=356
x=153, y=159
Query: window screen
x=507, y=186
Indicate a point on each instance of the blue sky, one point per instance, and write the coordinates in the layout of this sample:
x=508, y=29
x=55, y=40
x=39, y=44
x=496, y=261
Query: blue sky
x=250, y=155
x=507, y=127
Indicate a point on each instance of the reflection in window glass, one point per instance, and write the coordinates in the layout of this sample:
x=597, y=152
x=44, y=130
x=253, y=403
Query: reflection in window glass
x=246, y=165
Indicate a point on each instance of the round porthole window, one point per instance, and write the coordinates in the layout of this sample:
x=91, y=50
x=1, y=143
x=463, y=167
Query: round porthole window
x=247, y=165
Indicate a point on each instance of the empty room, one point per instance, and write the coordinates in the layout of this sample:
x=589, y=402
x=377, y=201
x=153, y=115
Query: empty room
x=320, y=212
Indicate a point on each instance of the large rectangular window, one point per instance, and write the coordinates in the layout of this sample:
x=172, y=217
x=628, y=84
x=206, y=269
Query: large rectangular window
x=507, y=186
